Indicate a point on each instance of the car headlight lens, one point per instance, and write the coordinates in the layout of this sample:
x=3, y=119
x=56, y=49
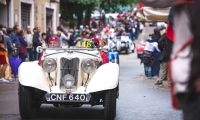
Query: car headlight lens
x=49, y=65
x=68, y=80
x=88, y=65
x=123, y=44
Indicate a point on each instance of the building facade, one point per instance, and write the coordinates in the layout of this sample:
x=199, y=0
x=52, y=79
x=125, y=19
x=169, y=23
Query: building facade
x=36, y=13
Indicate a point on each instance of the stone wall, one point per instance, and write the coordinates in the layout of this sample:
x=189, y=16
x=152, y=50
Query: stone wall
x=39, y=13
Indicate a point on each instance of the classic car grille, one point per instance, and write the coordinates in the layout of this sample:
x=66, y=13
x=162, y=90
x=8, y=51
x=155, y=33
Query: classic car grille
x=69, y=66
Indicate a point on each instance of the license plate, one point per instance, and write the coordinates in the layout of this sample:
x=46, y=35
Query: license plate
x=67, y=97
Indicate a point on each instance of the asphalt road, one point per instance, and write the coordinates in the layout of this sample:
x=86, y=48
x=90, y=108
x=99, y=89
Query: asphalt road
x=138, y=100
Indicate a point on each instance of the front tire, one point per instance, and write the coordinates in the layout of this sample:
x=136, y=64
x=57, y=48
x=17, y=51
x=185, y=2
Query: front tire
x=37, y=105
x=110, y=105
x=25, y=102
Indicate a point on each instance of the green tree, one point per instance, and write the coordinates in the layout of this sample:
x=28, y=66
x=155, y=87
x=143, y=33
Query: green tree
x=68, y=8
x=77, y=7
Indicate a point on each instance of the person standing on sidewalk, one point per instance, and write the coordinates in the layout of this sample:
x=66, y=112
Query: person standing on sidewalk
x=147, y=57
x=44, y=37
x=137, y=28
x=34, y=30
x=156, y=54
x=166, y=48
x=23, y=45
x=62, y=36
x=15, y=38
x=29, y=39
x=36, y=43
x=11, y=48
x=49, y=34
x=4, y=41
x=9, y=34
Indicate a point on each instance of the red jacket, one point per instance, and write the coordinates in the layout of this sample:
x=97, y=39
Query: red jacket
x=23, y=44
x=104, y=57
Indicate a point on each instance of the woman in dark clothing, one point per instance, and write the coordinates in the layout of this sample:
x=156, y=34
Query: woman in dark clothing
x=23, y=45
x=137, y=29
x=156, y=54
x=48, y=35
x=11, y=48
x=128, y=30
x=156, y=66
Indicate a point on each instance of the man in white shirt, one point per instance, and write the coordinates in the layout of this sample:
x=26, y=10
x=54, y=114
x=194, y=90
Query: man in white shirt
x=29, y=39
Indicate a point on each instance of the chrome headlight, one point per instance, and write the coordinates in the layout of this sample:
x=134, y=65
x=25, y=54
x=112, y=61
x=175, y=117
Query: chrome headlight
x=123, y=44
x=49, y=65
x=88, y=65
x=68, y=80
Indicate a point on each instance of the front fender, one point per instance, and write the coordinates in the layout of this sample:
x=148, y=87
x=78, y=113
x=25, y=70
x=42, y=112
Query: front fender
x=105, y=78
x=32, y=75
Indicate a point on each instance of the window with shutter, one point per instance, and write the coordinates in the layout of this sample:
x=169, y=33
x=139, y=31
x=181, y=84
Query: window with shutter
x=25, y=15
x=49, y=17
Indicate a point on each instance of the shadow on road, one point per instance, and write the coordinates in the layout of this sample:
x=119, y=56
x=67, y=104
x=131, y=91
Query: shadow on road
x=48, y=112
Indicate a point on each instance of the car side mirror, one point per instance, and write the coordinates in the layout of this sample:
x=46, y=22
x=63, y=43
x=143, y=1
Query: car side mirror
x=39, y=49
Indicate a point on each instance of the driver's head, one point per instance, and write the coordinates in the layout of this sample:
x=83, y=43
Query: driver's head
x=54, y=42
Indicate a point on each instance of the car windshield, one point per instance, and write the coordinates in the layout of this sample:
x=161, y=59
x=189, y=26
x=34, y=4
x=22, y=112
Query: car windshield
x=85, y=45
x=96, y=13
x=88, y=51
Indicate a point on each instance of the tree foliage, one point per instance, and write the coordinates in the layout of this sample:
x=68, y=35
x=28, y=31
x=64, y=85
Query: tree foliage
x=107, y=4
x=85, y=2
x=68, y=8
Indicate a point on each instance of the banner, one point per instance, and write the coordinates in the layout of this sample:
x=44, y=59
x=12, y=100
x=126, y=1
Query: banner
x=155, y=14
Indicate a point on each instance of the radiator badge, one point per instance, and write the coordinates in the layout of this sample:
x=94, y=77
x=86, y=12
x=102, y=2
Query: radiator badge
x=68, y=91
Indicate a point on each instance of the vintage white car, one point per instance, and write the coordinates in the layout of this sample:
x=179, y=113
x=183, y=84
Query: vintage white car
x=123, y=43
x=68, y=76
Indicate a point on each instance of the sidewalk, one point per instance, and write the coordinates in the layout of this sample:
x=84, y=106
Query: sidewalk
x=152, y=81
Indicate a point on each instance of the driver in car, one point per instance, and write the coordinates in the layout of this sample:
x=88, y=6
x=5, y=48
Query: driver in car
x=53, y=42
